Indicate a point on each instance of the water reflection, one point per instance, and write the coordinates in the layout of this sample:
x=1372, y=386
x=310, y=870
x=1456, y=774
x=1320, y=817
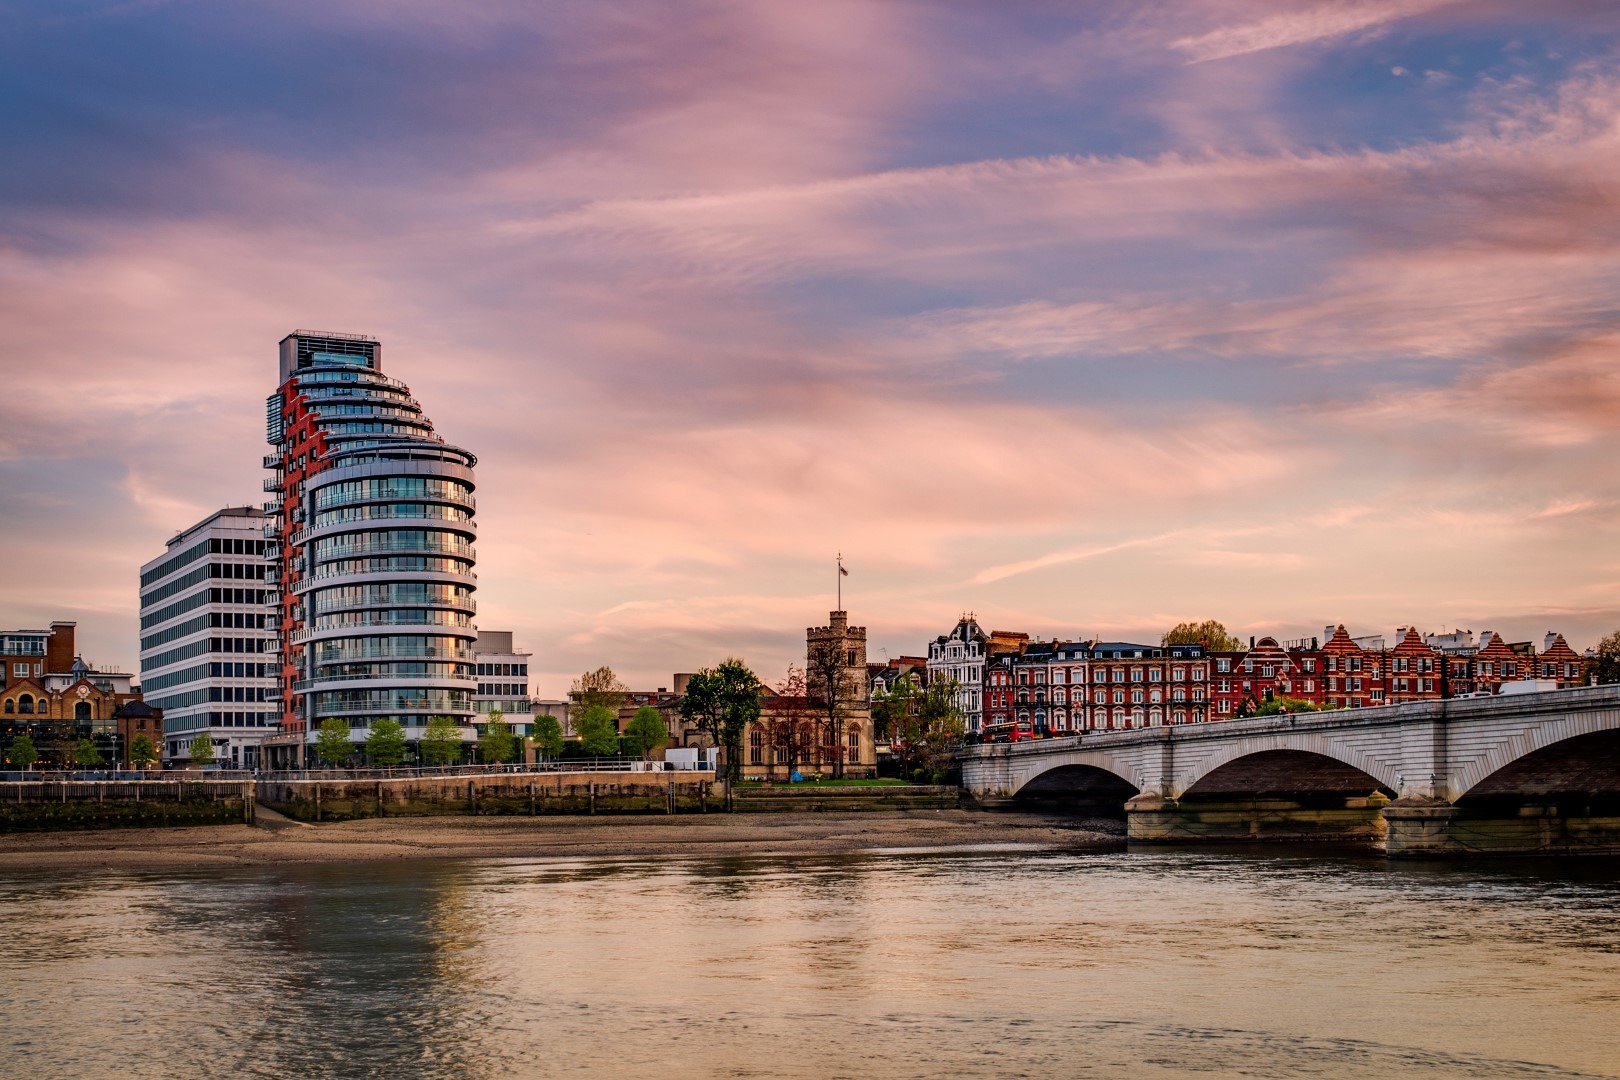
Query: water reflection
x=1288, y=963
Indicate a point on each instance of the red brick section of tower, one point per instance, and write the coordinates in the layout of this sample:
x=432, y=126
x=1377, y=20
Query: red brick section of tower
x=303, y=445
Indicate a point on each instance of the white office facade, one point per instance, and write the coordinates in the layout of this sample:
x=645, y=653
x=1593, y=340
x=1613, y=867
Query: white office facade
x=207, y=640
x=502, y=671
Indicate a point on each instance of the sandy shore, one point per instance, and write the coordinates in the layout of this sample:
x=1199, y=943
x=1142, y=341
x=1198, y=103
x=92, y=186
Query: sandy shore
x=276, y=840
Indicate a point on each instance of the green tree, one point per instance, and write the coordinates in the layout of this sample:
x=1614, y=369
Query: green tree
x=893, y=708
x=385, y=745
x=23, y=753
x=497, y=747
x=87, y=755
x=598, y=733
x=1211, y=633
x=548, y=736
x=441, y=741
x=722, y=702
x=332, y=743
x=201, y=750
x=645, y=732
x=932, y=734
x=1605, y=662
x=600, y=688
x=141, y=752
x=1277, y=706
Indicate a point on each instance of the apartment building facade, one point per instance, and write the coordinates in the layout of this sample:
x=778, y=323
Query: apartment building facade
x=372, y=541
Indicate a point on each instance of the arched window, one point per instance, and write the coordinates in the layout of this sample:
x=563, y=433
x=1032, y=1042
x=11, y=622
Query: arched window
x=11, y=706
x=25, y=704
x=1155, y=696
x=855, y=744
x=756, y=746
x=1119, y=718
x=1181, y=716
x=81, y=713
x=1137, y=717
x=1156, y=716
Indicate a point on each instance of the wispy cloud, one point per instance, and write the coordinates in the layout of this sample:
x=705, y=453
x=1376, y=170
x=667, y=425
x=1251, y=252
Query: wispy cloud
x=1321, y=22
x=1060, y=558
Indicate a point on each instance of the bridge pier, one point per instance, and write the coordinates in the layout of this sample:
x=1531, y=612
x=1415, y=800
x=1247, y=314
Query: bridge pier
x=1155, y=819
x=1426, y=828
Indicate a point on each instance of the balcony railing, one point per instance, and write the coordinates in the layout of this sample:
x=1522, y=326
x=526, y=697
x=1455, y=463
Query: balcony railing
x=303, y=686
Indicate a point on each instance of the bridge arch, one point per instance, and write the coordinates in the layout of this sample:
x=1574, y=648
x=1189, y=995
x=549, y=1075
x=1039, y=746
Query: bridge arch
x=1584, y=766
x=1279, y=771
x=1309, y=743
x=1080, y=776
x=1536, y=738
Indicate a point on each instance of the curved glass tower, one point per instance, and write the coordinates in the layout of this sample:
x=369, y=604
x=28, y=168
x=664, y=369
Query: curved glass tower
x=373, y=543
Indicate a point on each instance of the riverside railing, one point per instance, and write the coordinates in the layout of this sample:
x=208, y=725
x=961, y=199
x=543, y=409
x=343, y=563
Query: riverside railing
x=413, y=772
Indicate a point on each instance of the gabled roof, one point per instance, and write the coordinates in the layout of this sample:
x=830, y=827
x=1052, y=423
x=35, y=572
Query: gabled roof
x=1341, y=642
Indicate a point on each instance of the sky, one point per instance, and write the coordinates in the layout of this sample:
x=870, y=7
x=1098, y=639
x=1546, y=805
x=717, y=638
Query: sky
x=1086, y=318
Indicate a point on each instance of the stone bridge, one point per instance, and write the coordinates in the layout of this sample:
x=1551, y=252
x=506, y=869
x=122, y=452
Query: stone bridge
x=1516, y=772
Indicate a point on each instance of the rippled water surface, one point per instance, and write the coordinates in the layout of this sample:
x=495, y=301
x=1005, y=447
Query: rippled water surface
x=988, y=962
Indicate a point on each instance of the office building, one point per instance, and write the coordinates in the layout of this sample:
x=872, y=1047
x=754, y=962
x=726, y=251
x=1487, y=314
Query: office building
x=502, y=671
x=207, y=638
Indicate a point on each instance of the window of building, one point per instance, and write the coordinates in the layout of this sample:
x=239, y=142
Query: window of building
x=1119, y=697
x=1178, y=674
x=1223, y=665
x=1136, y=674
x=756, y=747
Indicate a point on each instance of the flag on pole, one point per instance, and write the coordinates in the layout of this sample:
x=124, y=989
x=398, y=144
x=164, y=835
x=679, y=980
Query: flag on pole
x=841, y=570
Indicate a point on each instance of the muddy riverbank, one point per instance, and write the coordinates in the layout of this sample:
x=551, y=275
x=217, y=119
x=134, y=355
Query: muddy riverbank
x=276, y=840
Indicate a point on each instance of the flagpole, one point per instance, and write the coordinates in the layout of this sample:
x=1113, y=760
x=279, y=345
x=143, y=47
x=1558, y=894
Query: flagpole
x=840, y=581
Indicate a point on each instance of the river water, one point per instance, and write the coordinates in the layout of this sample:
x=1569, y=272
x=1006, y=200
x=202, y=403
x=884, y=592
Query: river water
x=990, y=962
